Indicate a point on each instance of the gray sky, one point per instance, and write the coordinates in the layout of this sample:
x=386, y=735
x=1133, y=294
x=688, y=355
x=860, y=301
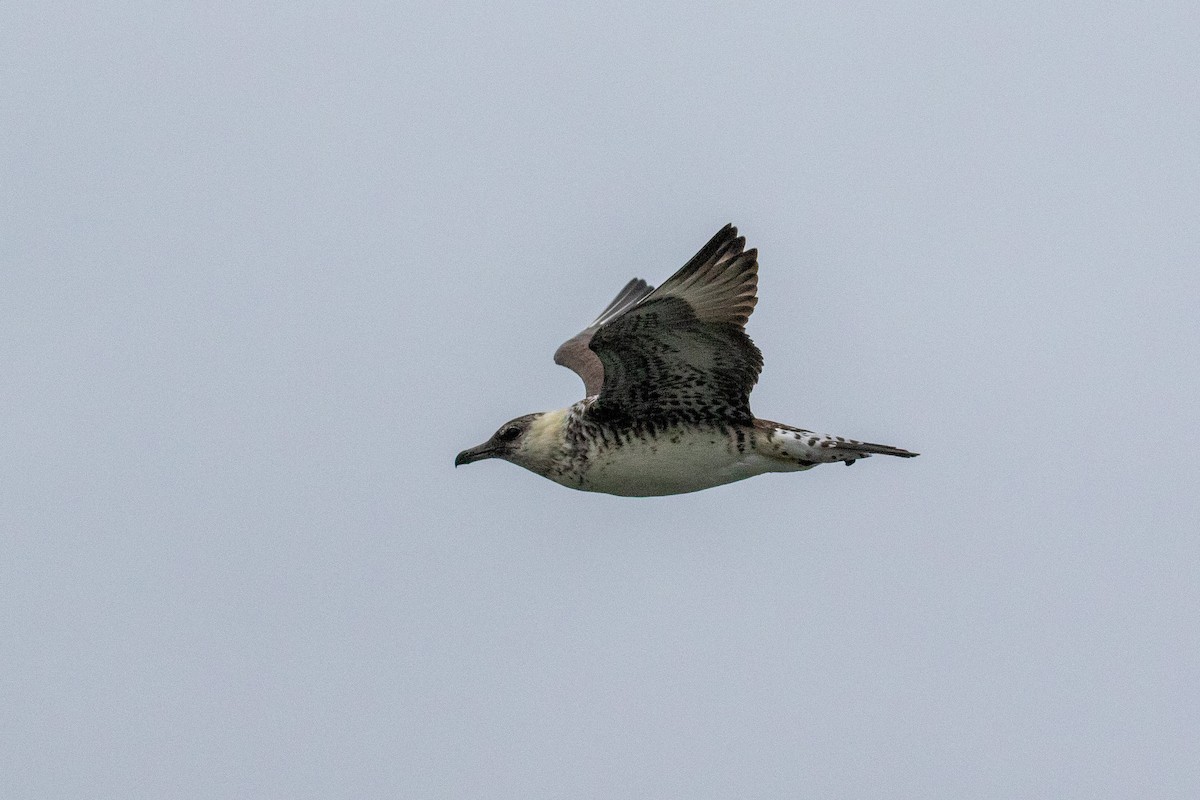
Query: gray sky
x=265, y=271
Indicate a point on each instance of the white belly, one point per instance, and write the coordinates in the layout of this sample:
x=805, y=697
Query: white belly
x=673, y=463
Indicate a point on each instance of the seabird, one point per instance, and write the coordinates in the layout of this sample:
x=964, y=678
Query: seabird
x=667, y=374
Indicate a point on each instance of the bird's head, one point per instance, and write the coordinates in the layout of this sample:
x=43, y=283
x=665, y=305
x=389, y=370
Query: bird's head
x=509, y=443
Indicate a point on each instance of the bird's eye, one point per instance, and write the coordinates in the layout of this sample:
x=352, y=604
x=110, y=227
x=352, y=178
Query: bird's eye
x=508, y=434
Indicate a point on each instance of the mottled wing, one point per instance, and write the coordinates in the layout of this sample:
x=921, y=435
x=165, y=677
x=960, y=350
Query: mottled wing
x=575, y=355
x=681, y=353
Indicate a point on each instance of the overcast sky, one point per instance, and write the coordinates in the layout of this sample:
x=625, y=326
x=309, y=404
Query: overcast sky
x=264, y=271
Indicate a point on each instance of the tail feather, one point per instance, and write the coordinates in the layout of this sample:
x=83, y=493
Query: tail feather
x=805, y=448
x=867, y=448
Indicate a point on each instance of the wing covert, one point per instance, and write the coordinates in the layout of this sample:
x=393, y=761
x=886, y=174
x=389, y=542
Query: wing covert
x=664, y=364
x=681, y=353
x=575, y=355
x=678, y=352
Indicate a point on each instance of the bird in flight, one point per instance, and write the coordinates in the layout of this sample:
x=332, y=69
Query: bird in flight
x=667, y=374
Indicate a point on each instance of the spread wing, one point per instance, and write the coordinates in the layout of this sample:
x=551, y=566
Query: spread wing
x=575, y=355
x=680, y=352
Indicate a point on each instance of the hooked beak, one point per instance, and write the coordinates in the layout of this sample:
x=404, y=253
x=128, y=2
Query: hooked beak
x=474, y=454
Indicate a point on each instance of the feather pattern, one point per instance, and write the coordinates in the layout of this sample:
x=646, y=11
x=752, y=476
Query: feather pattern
x=668, y=374
x=575, y=355
x=679, y=352
x=720, y=282
x=664, y=364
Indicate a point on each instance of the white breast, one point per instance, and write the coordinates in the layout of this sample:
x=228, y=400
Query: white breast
x=673, y=462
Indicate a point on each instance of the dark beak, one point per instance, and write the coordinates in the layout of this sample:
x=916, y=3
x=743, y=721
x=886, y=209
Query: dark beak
x=474, y=454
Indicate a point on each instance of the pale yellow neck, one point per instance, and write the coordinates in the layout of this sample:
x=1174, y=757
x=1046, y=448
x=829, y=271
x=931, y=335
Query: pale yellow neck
x=546, y=439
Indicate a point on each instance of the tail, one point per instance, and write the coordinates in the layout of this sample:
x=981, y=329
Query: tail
x=809, y=449
x=837, y=443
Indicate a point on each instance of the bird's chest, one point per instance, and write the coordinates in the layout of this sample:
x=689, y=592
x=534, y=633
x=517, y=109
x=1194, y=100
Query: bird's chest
x=674, y=461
